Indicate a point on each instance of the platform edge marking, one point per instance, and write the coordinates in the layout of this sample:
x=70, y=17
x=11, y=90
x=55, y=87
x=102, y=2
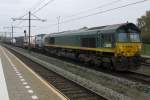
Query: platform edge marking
x=39, y=77
x=3, y=87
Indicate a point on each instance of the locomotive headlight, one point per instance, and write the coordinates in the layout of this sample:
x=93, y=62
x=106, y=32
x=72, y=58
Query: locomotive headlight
x=140, y=47
x=121, y=47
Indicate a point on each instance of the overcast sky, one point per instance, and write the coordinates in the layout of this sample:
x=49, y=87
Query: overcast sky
x=65, y=9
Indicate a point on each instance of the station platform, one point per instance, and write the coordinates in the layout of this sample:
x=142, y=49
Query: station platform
x=145, y=56
x=19, y=82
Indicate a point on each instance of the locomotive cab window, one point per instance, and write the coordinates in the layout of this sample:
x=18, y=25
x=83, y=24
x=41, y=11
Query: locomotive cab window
x=122, y=37
x=134, y=37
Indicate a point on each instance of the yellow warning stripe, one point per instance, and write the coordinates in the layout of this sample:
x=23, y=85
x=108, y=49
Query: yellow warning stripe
x=112, y=50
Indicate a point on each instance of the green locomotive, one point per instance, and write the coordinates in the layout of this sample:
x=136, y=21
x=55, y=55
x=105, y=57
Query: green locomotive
x=113, y=46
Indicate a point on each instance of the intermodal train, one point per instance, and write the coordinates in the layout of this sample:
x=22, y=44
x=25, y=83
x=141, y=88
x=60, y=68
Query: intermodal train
x=115, y=46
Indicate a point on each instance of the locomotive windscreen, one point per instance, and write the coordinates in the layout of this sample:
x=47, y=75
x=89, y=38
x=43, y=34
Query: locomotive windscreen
x=129, y=33
x=129, y=37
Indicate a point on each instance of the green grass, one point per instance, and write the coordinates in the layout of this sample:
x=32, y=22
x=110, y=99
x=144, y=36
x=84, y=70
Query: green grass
x=146, y=49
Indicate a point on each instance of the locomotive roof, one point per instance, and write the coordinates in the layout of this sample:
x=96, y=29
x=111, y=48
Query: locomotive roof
x=94, y=30
x=19, y=37
x=40, y=35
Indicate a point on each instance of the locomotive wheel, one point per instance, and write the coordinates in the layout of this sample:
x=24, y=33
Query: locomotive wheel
x=120, y=64
x=96, y=63
x=135, y=63
x=107, y=63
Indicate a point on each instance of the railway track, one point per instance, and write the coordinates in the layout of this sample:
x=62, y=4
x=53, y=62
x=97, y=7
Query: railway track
x=145, y=79
x=146, y=62
x=72, y=90
x=133, y=76
x=140, y=77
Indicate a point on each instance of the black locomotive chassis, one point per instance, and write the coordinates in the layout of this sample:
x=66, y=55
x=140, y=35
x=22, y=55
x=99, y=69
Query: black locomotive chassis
x=102, y=59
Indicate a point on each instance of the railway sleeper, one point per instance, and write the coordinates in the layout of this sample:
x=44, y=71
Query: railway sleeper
x=73, y=96
x=86, y=98
x=70, y=89
x=74, y=92
x=64, y=86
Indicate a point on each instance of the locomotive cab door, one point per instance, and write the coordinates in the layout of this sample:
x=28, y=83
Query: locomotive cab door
x=99, y=40
x=106, y=40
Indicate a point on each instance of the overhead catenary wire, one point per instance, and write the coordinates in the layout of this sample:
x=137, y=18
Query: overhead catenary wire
x=34, y=8
x=37, y=17
x=100, y=12
x=22, y=17
x=50, y=1
x=36, y=5
x=39, y=3
x=97, y=13
x=104, y=11
x=91, y=9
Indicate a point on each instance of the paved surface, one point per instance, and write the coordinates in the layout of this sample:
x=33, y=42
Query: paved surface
x=24, y=84
x=3, y=87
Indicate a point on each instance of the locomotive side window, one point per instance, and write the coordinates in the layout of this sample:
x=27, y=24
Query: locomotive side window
x=84, y=42
x=107, y=40
x=88, y=42
x=47, y=40
x=52, y=40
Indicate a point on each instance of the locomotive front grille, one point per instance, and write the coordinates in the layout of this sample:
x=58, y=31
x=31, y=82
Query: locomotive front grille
x=128, y=49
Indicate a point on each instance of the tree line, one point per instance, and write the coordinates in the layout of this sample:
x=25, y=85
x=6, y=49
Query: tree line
x=144, y=24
